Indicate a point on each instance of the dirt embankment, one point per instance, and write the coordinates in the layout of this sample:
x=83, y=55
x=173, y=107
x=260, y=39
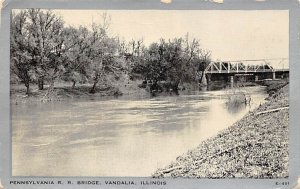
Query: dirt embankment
x=254, y=147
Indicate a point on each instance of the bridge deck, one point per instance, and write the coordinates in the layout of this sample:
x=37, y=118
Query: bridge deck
x=246, y=71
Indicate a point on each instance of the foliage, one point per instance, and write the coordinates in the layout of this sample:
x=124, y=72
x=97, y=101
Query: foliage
x=43, y=50
x=21, y=64
x=174, y=61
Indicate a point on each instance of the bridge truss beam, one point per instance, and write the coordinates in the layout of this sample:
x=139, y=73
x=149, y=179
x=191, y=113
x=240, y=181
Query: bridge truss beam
x=244, y=66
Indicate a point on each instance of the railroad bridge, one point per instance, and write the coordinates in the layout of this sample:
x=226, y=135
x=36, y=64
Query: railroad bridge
x=250, y=70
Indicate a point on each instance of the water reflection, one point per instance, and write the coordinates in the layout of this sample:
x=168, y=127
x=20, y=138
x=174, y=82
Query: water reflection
x=234, y=108
x=117, y=137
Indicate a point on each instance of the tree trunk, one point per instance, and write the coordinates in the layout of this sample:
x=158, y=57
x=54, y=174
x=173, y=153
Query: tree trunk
x=27, y=88
x=96, y=79
x=74, y=83
x=93, y=89
x=175, y=86
x=41, y=83
x=202, y=74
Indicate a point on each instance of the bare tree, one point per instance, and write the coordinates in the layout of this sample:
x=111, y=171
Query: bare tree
x=136, y=47
x=205, y=59
x=123, y=48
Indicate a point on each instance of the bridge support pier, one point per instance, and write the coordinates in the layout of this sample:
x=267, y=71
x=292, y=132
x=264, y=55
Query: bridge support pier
x=256, y=78
x=208, y=78
x=274, y=76
x=231, y=81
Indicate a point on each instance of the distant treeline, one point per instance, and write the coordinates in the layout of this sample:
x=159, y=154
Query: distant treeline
x=44, y=49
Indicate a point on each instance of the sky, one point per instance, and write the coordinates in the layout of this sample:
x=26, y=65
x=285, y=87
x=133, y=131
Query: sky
x=229, y=34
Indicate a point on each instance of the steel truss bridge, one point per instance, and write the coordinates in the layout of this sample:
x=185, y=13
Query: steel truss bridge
x=248, y=66
x=253, y=69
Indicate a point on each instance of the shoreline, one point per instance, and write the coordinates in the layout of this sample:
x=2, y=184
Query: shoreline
x=64, y=92
x=254, y=147
x=59, y=94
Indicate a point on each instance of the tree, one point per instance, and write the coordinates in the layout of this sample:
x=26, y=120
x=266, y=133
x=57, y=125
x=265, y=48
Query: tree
x=191, y=52
x=180, y=58
x=135, y=58
x=174, y=61
x=123, y=47
x=155, y=63
x=21, y=64
x=104, y=62
x=204, y=59
x=102, y=53
x=46, y=40
x=78, y=55
x=136, y=47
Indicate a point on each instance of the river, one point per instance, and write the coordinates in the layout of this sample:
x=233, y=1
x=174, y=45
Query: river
x=118, y=136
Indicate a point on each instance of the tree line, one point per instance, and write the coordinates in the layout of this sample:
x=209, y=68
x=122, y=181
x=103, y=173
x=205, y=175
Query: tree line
x=43, y=50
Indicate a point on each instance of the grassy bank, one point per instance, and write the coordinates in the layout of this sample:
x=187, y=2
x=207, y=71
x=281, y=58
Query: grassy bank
x=254, y=147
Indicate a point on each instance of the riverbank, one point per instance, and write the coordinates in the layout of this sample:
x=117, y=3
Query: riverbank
x=254, y=147
x=125, y=86
x=63, y=91
x=59, y=93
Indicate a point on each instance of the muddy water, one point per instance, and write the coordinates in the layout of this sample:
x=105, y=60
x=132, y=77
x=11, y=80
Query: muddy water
x=118, y=137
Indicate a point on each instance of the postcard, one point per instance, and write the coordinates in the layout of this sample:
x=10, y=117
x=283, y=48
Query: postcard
x=149, y=94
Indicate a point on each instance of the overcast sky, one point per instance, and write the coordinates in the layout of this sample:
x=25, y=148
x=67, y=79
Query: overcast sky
x=230, y=35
